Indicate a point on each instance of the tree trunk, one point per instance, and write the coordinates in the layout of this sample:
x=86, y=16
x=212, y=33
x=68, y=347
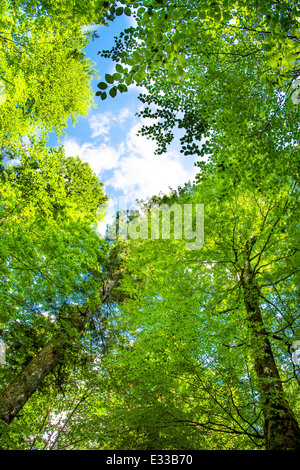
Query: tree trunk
x=70, y=326
x=16, y=394
x=281, y=428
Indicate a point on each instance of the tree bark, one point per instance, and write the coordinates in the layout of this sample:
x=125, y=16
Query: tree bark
x=70, y=325
x=281, y=428
x=16, y=394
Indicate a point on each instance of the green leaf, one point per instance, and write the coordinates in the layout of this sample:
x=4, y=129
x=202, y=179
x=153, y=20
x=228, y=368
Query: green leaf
x=119, y=11
x=141, y=10
x=128, y=80
x=267, y=47
x=113, y=91
x=181, y=59
x=119, y=68
x=122, y=87
x=103, y=95
x=102, y=85
x=227, y=16
x=117, y=76
x=169, y=66
x=109, y=78
x=127, y=11
x=269, y=89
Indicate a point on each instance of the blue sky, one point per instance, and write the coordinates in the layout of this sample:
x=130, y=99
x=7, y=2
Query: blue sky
x=107, y=139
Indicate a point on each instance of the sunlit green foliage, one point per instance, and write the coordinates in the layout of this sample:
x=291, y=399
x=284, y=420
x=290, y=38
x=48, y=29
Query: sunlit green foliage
x=171, y=358
x=167, y=34
x=44, y=72
x=48, y=244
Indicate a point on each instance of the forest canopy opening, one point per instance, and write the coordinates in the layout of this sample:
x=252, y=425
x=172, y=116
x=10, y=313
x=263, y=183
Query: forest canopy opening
x=179, y=327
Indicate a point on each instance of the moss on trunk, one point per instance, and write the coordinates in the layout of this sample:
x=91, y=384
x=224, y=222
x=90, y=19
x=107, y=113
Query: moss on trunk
x=281, y=428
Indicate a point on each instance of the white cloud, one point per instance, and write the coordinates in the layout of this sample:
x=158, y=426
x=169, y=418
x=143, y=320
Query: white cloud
x=112, y=207
x=100, y=157
x=123, y=115
x=90, y=27
x=145, y=175
x=140, y=173
x=135, y=170
x=100, y=124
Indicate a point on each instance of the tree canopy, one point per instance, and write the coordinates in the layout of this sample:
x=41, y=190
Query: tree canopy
x=44, y=72
x=145, y=342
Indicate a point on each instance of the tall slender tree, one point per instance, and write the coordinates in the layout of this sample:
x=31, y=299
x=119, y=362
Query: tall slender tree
x=225, y=310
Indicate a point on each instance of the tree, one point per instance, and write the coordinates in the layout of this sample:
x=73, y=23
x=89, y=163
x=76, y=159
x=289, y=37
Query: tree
x=214, y=76
x=49, y=205
x=216, y=325
x=49, y=249
x=54, y=271
x=166, y=35
x=44, y=73
x=221, y=64
x=191, y=340
x=52, y=258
